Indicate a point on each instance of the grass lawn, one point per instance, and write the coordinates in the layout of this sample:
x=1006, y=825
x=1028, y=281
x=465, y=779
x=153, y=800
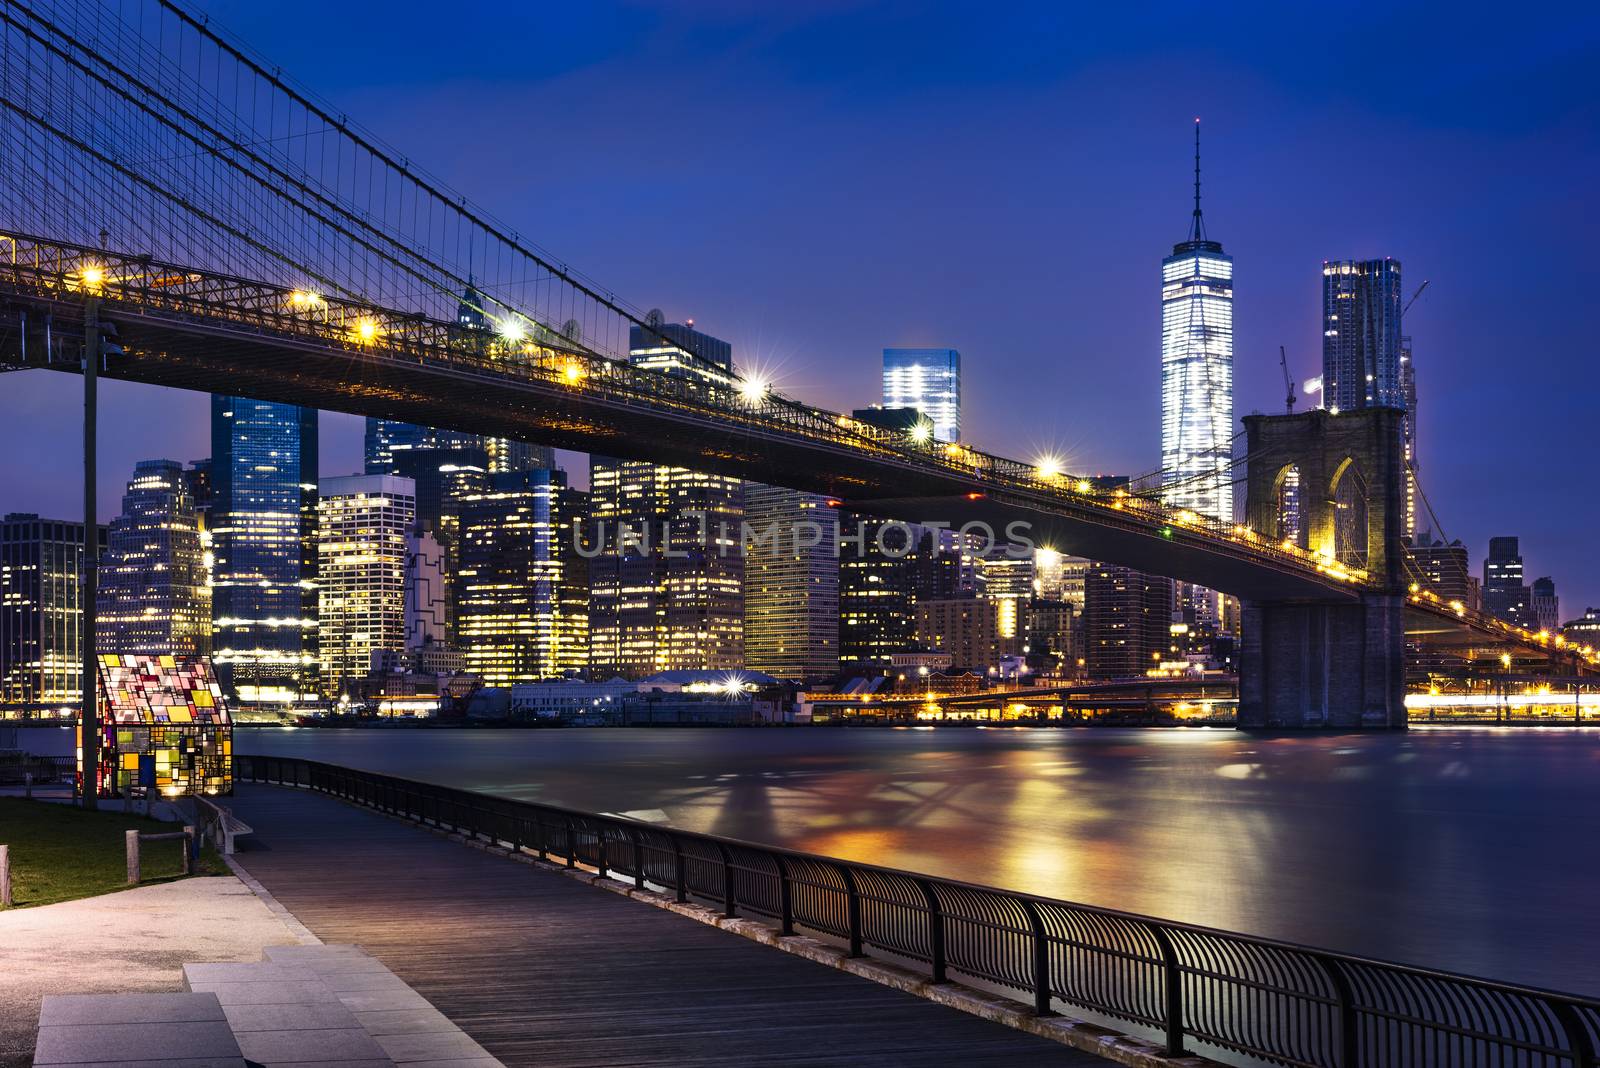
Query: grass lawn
x=59, y=852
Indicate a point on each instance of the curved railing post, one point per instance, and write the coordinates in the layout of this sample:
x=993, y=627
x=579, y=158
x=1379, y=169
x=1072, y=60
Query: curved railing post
x=785, y=896
x=852, y=905
x=1174, y=989
x=1578, y=1038
x=1344, y=993
x=572, y=846
x=678, y=870
x=600, y=847
x=638, y=858
x=935, y=931
x=1041, y=960
x=729, y=902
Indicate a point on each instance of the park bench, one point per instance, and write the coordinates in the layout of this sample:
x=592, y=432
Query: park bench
x=219, y=822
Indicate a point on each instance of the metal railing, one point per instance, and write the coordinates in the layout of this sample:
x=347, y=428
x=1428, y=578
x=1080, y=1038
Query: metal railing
x=1211, y=991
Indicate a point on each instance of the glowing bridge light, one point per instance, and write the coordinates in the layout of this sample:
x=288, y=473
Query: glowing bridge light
x=511, y=329
x=365, y=330
x=1083, y=486
x=91, y=277
x=752, y=390
x=1048, y=467
x=304, y=299
x=573, y=372
x=921, y=433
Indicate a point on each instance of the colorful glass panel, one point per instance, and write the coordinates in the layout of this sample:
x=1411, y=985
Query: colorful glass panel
x=166, y=715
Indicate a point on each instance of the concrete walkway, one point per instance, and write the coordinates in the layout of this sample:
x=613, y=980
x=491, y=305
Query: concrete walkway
x=134, y=941
x=541, y=969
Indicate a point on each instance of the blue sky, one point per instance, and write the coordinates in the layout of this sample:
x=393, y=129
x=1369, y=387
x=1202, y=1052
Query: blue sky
x=814, y=181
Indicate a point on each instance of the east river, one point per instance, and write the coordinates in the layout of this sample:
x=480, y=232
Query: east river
x=1467, y=849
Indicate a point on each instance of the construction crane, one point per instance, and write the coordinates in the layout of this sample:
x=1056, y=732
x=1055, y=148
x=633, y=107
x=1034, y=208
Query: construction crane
x=1288, y=383
x=1413, y=299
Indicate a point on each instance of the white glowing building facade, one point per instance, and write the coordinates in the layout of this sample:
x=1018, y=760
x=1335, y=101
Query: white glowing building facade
x=1197, y=371
x=928, y=380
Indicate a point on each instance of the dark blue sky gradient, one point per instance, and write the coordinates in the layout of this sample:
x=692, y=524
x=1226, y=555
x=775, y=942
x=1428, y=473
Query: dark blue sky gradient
x=814, y=181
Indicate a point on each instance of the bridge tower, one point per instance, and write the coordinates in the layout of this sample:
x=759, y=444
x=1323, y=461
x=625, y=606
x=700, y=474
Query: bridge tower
x=1335, y=485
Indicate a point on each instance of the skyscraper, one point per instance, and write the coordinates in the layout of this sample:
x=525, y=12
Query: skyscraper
x=41, y=617
x=1505, y=596
x=155, y=589
x=1408, y=436
x=522, y=593
x=886, y=568
x=1544, y=605
x=263, y=513
x=1197, y=369
x=444, y=477
x=1442, y=568
x=1127, y=621
x=1361, y=365
x=362, y=525
x=666, y=592
x=791, y=584
x=977, y=632
x=428, y=616
x=387, y=440
x=877, y=598
x=928, y=380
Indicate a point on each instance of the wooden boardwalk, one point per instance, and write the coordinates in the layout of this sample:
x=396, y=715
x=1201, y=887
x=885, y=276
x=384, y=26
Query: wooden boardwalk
x=543, y=970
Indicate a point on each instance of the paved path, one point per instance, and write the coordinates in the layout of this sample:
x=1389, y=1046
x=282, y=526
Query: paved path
x=544, y=970
x=132, y=941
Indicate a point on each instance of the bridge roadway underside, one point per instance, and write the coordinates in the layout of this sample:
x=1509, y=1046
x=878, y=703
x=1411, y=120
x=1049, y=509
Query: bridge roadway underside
x=543, y=970
x=206, y=357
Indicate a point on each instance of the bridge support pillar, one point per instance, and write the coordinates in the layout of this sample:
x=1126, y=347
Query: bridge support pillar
x=1335, y=666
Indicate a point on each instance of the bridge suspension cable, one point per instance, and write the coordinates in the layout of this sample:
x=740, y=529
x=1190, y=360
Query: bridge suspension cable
x=139, y=128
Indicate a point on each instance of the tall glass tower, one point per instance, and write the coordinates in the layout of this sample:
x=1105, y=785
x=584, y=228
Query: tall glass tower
x=671, y=598
x=928, y=380
x=1361, y=342
x=1197, y=369
x=155, y=594
x=264, y=516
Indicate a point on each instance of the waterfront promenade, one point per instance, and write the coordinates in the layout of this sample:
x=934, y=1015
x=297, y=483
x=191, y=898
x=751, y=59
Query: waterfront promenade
x=541, y=969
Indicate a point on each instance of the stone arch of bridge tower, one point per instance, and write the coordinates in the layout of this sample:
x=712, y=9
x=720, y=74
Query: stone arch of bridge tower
x=1350, y=504
x=1288, y=513
x=1335, y=455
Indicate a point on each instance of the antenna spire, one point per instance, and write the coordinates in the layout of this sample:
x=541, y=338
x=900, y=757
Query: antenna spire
x=1197, y=229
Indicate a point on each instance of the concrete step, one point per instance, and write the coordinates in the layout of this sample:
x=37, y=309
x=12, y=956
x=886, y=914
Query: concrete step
x=135, y=1031
x=332, y=1005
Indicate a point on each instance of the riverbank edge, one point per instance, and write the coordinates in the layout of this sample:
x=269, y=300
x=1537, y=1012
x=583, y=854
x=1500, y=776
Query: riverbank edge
x=1112, y=1045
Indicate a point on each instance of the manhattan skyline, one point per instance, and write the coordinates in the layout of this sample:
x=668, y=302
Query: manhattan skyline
x=775, y=237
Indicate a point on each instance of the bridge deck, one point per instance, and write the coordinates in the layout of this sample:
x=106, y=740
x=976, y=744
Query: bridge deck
x=543, y=970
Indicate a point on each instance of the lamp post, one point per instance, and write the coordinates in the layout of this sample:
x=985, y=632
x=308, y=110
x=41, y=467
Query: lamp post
x=89, y=722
